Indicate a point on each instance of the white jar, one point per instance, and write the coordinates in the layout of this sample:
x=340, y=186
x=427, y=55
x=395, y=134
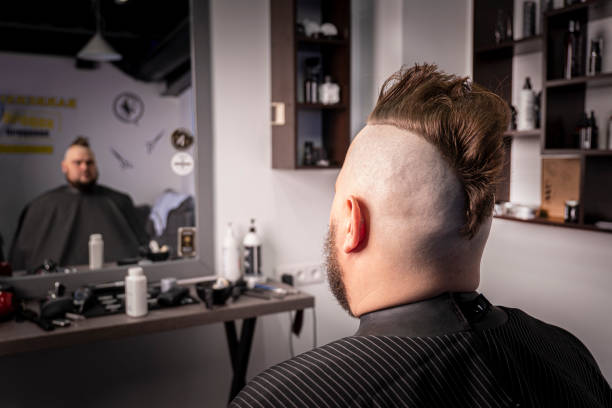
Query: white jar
x=136, y=292
x=96, y=251
x=329, y=92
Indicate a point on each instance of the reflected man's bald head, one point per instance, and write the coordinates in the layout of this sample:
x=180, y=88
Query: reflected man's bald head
x=79, y=165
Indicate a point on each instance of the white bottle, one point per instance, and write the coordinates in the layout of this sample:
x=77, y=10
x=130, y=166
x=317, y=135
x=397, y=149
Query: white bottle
x=231, y=256
x=96, y=251
x=136, y=292
x=527, y=112
x=252, y=253
x=329, y=92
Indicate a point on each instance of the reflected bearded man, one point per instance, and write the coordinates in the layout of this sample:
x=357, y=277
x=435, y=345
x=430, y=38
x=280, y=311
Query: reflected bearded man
x=408, y=225
x=57, y=225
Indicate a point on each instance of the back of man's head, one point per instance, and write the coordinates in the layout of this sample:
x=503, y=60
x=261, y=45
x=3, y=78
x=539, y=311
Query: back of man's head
x=462, y=120
x=415, y=196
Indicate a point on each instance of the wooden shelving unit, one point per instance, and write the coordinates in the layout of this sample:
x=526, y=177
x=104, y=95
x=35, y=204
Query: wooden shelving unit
x=563, y=101
x=326, y=126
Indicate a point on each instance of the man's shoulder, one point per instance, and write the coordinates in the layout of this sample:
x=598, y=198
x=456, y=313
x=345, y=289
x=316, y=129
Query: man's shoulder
x=50, y=196
x=115, y=195
x=376, y=370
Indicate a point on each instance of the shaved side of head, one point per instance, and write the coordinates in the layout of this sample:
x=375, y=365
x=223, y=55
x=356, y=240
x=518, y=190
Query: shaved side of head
x=416, y=202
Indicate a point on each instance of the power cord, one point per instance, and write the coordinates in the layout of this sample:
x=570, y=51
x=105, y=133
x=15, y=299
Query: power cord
x=314, y=332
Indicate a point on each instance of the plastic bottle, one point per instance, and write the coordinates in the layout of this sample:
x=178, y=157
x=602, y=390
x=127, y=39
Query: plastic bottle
x=96, y=251
x=527, y=111
x=136, y=292
x=231, y=255
x=252, y=253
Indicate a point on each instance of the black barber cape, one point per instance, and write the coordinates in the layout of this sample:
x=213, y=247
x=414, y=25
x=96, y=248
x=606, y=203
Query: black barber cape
x=57, y=226
x=455, y=350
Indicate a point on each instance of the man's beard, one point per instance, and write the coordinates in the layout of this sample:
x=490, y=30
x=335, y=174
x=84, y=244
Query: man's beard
x=83, y=187
x=334, y=271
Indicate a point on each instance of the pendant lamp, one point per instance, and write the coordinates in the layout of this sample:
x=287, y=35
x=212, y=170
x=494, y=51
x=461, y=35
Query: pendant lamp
x=97, y=49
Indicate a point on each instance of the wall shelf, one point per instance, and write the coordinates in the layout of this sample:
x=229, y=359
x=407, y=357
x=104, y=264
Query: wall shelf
x=604, y=79
x=322, y=41
x=576, y=152
x=521, y=46
x=326, y=127
x=553, y=223
x=523, y=133
x=302, y=105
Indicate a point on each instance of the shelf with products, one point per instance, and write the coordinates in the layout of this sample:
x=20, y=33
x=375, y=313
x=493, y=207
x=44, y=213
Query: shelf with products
x=566, y=105
x=308, y=70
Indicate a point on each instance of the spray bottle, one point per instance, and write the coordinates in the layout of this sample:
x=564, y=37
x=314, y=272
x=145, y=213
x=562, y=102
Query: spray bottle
x=252, y=253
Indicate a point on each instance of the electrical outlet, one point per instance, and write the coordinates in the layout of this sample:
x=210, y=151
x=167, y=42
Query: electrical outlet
x=303, y=274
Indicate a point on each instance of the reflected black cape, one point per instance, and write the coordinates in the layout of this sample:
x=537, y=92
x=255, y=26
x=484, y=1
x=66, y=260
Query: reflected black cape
x=57, y=226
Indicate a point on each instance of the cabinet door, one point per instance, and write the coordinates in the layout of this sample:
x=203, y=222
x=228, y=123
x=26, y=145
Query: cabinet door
x=282, y=33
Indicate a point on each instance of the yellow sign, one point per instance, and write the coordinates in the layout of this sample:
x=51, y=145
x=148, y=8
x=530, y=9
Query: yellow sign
x=48, y=101
x=10, y=118
x=25, y=149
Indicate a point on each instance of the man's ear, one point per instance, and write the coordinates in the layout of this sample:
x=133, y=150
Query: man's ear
x=64, y=167
x=354, y=228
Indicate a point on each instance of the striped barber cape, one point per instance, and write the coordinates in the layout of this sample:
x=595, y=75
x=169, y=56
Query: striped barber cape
x=439, y=353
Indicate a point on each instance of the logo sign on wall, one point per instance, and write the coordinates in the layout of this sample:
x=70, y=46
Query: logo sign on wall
x=182, y=139
x=28, y=123
x=128, y=107
x=182, y=163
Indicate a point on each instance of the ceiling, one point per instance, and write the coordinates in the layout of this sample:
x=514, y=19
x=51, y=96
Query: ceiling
x=151, y=35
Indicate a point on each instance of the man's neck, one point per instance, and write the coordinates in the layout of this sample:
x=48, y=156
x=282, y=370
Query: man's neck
x=381, y=289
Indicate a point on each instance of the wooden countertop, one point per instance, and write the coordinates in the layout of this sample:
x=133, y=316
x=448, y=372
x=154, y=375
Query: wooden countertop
x=26, y=336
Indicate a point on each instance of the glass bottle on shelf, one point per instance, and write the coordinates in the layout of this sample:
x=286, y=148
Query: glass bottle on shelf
x=569, y=54
x=595, y=57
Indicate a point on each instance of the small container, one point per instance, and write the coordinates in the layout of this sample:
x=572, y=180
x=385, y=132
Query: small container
x=329, y=92
x=136, y=304
x=96, y=251
x=571, y=211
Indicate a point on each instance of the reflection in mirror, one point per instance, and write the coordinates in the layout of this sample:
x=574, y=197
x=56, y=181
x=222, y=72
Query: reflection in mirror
x=94, y=147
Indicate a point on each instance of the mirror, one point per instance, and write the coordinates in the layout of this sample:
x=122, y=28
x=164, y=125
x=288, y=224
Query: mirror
x=137, y=114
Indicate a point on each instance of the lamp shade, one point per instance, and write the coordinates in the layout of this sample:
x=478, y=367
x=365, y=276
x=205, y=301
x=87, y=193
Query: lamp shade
x=97, y=49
